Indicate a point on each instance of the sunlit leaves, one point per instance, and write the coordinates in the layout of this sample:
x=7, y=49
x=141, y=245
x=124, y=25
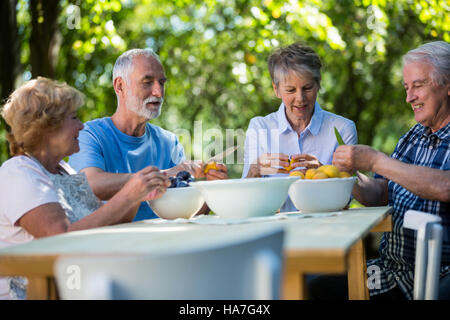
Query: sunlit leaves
x=215, y=55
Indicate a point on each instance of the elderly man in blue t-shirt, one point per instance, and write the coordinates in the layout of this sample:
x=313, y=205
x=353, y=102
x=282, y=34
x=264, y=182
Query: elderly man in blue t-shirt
x=113, y=148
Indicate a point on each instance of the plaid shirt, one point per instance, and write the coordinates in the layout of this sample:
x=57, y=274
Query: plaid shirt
x=397, y=249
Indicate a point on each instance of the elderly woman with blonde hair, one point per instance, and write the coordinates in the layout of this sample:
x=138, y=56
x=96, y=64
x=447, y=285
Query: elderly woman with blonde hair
x=40, y=194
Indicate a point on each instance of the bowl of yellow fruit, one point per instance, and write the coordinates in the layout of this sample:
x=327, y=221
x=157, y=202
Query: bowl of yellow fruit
x=321, y=190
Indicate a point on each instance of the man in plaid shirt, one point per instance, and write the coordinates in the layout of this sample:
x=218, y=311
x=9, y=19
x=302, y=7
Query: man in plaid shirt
x=416, y=176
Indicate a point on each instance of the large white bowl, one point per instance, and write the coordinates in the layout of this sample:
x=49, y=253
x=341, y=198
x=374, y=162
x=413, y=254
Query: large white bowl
x=321, y=195
x=177, y=203
x=245, y=198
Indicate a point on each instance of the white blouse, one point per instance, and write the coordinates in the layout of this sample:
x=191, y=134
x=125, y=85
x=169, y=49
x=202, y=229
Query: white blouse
x=24, y=185
x=274, y=134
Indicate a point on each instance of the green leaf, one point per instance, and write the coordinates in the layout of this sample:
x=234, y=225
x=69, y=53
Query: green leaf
x=338, y=137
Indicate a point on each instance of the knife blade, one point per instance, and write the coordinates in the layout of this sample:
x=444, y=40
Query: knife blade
x=211, y=162
x=220, y=156
x=338, y=137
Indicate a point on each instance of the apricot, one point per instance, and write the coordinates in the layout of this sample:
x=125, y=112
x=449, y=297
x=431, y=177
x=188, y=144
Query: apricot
x=297, y=173
x=209, y=166
x=291, y=162
x=320, y=175
x=330, y=170
x=310, y=173
x=344, y=174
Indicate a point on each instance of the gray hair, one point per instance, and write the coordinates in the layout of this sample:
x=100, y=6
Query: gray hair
x=124, y=63
x=297, y=57
x=437, y=54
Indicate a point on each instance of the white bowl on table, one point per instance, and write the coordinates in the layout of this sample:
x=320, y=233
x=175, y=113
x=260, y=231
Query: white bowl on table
x=177, y=203
x=321, y=195
x=245, y=198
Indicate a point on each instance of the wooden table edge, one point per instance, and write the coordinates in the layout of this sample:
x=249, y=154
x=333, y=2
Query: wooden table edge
x=352, y=261
x=357, y=263
x=320, y=261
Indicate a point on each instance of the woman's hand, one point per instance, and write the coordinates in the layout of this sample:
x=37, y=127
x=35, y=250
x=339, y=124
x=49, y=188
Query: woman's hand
x=269, y=163
x=304, y=160
x=147, y=184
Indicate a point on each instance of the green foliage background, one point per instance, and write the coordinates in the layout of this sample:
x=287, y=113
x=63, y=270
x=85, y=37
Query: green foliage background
x=215, y=52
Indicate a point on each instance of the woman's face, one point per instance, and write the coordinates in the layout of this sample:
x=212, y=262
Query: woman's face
x=298, y=93
x=65, y=139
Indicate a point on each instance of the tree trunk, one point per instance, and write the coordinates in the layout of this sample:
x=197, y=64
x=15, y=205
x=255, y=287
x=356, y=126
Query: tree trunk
x=45, y=38
x=9, y=62
x=9, y=48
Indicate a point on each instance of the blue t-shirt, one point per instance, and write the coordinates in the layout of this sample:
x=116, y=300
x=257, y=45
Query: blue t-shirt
x=104, y=146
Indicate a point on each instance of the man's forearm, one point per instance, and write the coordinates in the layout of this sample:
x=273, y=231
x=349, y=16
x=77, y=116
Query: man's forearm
x=425, y=182
x=105, y=184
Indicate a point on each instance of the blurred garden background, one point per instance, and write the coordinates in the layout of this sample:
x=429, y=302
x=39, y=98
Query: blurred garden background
x=215, y=55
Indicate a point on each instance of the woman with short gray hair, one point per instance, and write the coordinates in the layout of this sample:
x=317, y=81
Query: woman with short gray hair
x=300, y=135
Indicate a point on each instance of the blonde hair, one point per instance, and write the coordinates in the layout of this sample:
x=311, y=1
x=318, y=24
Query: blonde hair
x=36, y=107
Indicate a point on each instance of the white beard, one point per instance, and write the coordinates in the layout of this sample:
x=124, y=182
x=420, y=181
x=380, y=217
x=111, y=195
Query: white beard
x=140, y=109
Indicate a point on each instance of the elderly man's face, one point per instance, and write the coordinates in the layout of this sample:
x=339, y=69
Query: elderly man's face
x=146, y=87
x=429, y=102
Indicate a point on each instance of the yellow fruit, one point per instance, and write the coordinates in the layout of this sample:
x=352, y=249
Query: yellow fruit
x=289, y=168
x=330, y=170
x=209, y=166
x=344, y=174
x=297, y=173
x=320, y=175
x=310, y=173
